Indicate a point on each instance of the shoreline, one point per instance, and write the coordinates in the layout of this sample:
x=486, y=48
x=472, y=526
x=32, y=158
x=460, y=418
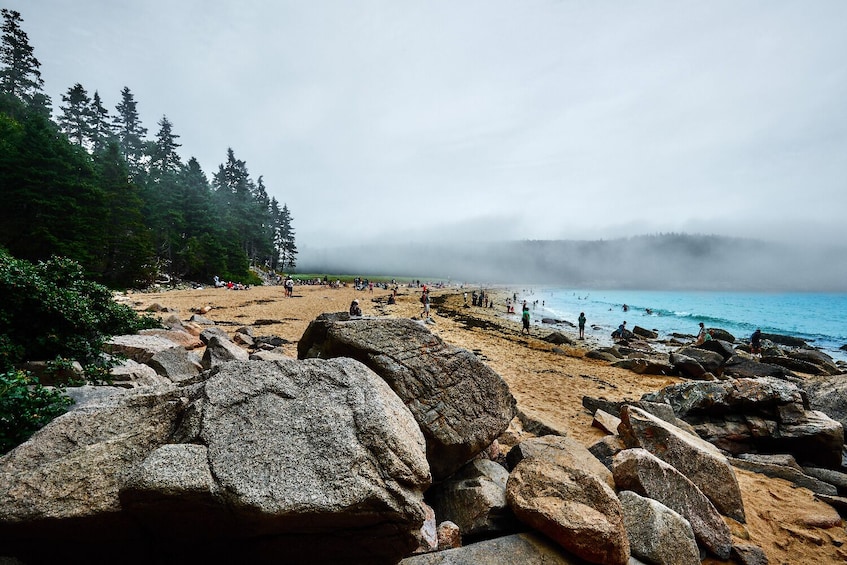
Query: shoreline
x=548, y=385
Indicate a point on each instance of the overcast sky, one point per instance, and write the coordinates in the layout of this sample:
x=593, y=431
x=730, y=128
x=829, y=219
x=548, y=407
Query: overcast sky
x=487, y=119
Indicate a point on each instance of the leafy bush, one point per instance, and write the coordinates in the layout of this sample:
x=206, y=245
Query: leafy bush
x=25, y=407
x=50, y=310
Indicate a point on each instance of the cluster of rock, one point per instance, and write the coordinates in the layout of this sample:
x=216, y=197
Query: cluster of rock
x=379, y=443
x=719, y=358
x=766, y=413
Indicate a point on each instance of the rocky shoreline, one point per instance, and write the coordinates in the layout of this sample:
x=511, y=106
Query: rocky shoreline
x=468, y=441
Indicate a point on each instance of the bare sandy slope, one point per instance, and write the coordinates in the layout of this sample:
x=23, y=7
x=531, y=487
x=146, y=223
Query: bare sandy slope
x=788, y=523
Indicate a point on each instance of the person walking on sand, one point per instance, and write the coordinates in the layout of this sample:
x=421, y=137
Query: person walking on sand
x=525, y=319
x=581, y=321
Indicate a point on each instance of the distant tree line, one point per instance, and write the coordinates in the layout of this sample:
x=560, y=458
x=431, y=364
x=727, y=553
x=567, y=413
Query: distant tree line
x=92, y=187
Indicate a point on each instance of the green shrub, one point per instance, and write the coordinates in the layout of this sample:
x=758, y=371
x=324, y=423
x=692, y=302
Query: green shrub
x=25, y=407
x=50, y=310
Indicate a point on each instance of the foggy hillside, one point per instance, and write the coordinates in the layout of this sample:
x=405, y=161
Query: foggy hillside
x=672, y=261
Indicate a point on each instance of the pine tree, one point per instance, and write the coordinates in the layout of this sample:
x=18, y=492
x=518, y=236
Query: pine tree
x=163, y=156
x=19, y=69
x=130, y=132
x=77, y=116
x=102, y=132
x=288, y=256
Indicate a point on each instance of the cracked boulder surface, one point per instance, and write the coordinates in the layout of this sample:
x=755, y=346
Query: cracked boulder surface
x=316, y=461
x=459, y=402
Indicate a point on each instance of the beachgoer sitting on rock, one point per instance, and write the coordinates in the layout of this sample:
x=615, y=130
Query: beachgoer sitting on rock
x=701, y=336
x=354, y=308
x=620, y=332
x=756, y=342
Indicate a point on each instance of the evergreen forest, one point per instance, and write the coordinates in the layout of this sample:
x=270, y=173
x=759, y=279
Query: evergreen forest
x=89, y=184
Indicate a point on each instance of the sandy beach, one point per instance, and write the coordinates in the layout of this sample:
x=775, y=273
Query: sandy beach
x=788, y=523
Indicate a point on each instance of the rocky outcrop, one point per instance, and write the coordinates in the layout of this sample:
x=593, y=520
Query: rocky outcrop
x=765, y=415
x=220, y=350
x=459, y=402
x=642, y=472
x=695, y=458
x=315, y=460
x=573, y=508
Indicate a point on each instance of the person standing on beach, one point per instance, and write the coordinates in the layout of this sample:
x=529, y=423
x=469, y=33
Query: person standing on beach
x=425, y=302
x=581, y=321
x=525, y=319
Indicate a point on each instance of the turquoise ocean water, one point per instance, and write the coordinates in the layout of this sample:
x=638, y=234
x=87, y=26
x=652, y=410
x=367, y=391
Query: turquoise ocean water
x=819, y=318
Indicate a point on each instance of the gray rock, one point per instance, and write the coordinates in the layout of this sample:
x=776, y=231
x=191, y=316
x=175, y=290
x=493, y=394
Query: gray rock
x=835, y=478
x=176, y=364
x=709, y=360
x=65, y=480
x=748, y=554
x=562, y=451
x=792, y=364
x=644, y=332
x=656, y=533
x=695, y=458
x=601, y=356
x=741, y=367
x=829, y=395
x=139, y=348
x=220, y=351
x=460, y=404
x=527, y=549
x=271, y=355
x=606, y=422
x=180, y=337
x=209, y=333
x=644, y=366
x=198, y=319
x=475, y=499
x=644, y=473
x=606, y=448
x=90, y=394
x=575, y=509
x=314, y=451
x=129, y=374
x=687, y=366
x=558, y=338
x=539, y=425
x=785, y=472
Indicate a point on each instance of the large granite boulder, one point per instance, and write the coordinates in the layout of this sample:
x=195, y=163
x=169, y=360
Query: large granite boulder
x=460, y=404
x=656, y=533
x=741, y=367
x=640, y=471
x=179, y=336
x=575, y=509
x=63, y=484
x=176, y=364
x=695, y=458
x=315, y=461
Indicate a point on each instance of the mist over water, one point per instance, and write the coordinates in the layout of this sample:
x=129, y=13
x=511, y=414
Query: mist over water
x=674, y=261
